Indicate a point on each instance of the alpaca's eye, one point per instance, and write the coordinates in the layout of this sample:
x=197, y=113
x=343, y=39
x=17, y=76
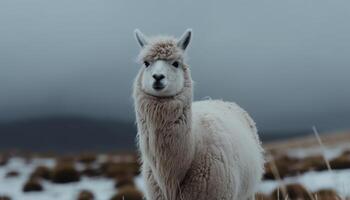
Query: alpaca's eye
x=146, y=63
x=176, y=64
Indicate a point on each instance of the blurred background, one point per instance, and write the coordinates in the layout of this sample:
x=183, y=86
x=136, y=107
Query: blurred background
x=67, y=67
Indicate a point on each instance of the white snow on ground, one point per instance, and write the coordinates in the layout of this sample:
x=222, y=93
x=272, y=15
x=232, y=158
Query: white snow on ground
x=103, y=188
x=339, y=180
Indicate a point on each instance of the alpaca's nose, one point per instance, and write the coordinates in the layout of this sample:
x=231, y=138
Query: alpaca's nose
x=158, y=77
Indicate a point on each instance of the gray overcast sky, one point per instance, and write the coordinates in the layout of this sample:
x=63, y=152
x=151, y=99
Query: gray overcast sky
x=286, y=62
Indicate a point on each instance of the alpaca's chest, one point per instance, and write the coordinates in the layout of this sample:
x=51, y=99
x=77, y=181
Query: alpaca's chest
x=161, y=128
x=157, y=144
x=162, y=147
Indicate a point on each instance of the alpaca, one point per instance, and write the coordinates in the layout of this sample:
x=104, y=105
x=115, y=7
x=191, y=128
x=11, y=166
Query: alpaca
x=205, y=150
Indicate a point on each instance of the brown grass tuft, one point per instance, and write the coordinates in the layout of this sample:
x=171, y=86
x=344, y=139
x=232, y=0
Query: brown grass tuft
x=125, y=180
x=33, y=185
x=326, y=194
x=341, y=162
x=65, y=173
x=293, y=191
x=91, y=172
x=41, y=172
x=86, y=195
x=87, y=158
x=12, y=174
x=128, y=193
x=260, y=196
x=115, y=170
x=5, y=197
x=3, y=160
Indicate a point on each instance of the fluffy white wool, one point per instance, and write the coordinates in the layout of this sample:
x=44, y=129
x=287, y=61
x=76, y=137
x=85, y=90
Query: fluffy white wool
x=205, y=150
x=161, y=47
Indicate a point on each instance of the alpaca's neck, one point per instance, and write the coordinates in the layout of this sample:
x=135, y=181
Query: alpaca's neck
x=165, y=138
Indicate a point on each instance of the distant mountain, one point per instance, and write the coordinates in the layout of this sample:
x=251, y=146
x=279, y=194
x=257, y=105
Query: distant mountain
x=268, y=136
x=76, y=134
x=67, y=134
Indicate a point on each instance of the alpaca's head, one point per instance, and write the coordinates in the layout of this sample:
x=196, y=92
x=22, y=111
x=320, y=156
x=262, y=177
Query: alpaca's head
x=163, y=67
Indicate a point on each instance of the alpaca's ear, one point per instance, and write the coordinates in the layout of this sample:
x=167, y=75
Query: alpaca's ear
x=140, y=38
x=185, y=39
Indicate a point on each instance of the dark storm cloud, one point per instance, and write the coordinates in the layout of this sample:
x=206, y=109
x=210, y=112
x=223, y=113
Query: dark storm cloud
x=287, y=62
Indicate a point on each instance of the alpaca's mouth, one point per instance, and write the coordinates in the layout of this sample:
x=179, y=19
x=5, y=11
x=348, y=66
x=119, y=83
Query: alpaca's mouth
x=158, y=86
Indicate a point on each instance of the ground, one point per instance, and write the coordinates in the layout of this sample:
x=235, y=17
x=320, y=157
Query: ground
x=103, y=186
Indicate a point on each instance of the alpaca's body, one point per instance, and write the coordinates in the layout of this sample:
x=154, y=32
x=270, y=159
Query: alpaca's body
x=206, y=150
x=228, y=149
x=215, y=154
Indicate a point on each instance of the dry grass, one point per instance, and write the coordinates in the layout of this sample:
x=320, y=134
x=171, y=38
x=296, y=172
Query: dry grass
x=123, y=171
x=283, y=192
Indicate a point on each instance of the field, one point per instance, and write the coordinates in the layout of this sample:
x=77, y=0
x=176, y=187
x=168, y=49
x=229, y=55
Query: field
x=296, y=169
